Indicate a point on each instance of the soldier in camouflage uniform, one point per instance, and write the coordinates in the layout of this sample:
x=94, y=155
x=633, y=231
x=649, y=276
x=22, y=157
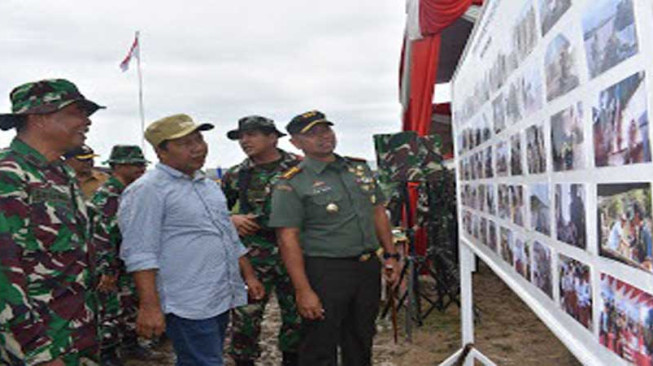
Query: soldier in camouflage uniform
x=47, y=300
x=118, y=303
x=247, y=187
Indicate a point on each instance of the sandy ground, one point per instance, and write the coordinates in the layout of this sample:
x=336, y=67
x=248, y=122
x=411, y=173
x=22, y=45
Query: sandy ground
x=507, y=332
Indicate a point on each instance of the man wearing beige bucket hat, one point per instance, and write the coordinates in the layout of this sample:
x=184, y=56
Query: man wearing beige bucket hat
x=181, y=247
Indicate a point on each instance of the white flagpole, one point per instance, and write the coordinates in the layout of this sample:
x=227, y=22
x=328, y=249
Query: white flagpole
x=140, y=91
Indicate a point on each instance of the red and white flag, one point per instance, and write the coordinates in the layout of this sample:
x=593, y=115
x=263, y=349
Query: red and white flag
x=133, y=53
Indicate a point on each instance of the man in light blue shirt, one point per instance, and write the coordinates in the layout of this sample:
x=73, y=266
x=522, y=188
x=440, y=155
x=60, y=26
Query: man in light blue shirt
x=180, y=245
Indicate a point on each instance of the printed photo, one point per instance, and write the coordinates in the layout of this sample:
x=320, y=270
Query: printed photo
x=481, y=197
x=621, y=124
x=575, y=290
x=467, y=222
x=567, y=139
x=626, y=321
x=535, y=150
x=489, y=172
x=570, y=214
x=515, y=155
x=504, y=202
x=542, y=278
x=483, y=230
x=531, y=89
x=498, y=114
x=506, y=245
x=514, y=106
x=521, y=256
x=540, y=205
x=475, y=227
x=490, y=203
x=524, y=33
x=492, y=236
x=624, y=223
x=609, y=34
x=551, y=11
x=502, y=159
x=560, y=67
x=517, y=204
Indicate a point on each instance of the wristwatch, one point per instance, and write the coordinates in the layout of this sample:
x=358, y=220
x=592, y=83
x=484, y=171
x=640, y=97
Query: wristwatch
x=389, y=255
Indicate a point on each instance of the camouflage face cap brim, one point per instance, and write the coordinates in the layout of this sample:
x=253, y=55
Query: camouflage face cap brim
x=254, y=123
x=44, y=97
x=126, y=154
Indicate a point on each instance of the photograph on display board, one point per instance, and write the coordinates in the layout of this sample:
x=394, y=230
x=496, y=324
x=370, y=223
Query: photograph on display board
x=475, y=227
x=521, y=257
x=478, y=165
x=483, y=231
x=524, y=33
x=609, y=34
x=498, y=114
x=467, y=222
x=542, y=277
x=560, y=66
x=624, y=223
x=473, y=195
x=626, y=321
x=535, y=150
x=515, y=155
x=481, y=197
x=551, y=11
x=570, y=214
x=506, y=245
x=567, y=139
x=531, y=89
x=621, y=124
x=540, y=205
x=514, y=106
x=486, y=126
x=504, y=202
x=575, y=290
x=489, y=199
x=517, y=204
x=492, y=235
x=489, y=172
x=502, y=159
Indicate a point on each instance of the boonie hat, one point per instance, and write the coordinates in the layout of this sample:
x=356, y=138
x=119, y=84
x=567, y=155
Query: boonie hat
x=254, y=122
x=126, y=154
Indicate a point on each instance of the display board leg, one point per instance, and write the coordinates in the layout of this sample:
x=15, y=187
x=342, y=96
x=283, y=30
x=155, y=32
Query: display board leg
x=467, y=311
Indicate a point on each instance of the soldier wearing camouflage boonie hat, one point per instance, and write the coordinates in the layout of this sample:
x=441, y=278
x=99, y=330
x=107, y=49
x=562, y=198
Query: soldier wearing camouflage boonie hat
x=43, y=97
x=254, y=122
x=126, y=154
x=47, y=302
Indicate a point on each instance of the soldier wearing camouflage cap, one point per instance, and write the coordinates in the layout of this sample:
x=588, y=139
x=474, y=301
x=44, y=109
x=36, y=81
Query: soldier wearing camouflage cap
x=47, y=302
x=330, y=219
x=247, y=187
x=118, y=303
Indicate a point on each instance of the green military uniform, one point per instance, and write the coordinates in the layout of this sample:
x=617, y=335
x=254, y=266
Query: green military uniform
x=248, y=189
x=333, y=205
x=47, y=302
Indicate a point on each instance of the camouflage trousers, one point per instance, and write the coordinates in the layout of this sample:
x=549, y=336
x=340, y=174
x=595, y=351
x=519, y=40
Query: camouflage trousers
x=87, y=357
x=246, y=320
x=117, y=314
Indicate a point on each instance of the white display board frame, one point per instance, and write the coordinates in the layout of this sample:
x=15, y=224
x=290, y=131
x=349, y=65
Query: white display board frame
x=492, y=34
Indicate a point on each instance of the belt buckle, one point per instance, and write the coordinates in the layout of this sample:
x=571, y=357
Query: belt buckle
x=364, y=257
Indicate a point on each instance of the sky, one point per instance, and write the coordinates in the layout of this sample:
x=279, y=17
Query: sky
x=216, y=61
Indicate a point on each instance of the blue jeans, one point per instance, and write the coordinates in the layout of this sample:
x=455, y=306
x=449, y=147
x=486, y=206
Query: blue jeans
x=198, y=342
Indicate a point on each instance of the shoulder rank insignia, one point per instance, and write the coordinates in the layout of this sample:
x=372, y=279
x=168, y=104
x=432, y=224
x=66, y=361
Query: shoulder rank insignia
x=290, y=172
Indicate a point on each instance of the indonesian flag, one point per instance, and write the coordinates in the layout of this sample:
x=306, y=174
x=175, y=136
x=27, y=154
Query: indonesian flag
x=133, y=53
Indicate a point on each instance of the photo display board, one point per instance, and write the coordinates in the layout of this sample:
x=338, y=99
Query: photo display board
x=551, y=121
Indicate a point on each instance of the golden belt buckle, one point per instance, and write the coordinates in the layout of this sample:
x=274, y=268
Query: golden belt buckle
x=364, y=257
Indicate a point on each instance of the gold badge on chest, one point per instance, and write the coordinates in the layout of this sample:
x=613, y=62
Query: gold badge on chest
x=332, y=208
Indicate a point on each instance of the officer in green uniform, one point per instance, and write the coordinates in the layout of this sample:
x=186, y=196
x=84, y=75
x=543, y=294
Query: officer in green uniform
x=330, y=220
x=247, y=187
x=118, y=303
x=47, y=297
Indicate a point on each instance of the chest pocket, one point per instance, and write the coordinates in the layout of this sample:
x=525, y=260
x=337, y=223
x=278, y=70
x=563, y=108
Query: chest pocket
x=52, y=219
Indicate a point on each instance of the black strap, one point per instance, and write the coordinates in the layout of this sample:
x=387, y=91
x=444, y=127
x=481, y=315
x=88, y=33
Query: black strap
x=244, y=178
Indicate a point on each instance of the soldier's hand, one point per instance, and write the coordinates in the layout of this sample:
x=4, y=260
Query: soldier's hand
x=245, y=224
x=255, y=289
x=391, y=271
x=150, y=322
x=107, y=283
x=309, y=305
x=55, y=362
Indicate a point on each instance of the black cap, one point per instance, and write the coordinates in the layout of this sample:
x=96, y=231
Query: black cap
x=81, y=153
x=305, y=121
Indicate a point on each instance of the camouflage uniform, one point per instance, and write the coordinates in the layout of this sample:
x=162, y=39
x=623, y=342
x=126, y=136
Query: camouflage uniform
x=117, y=309
x=256, y=181
x=47, y=302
